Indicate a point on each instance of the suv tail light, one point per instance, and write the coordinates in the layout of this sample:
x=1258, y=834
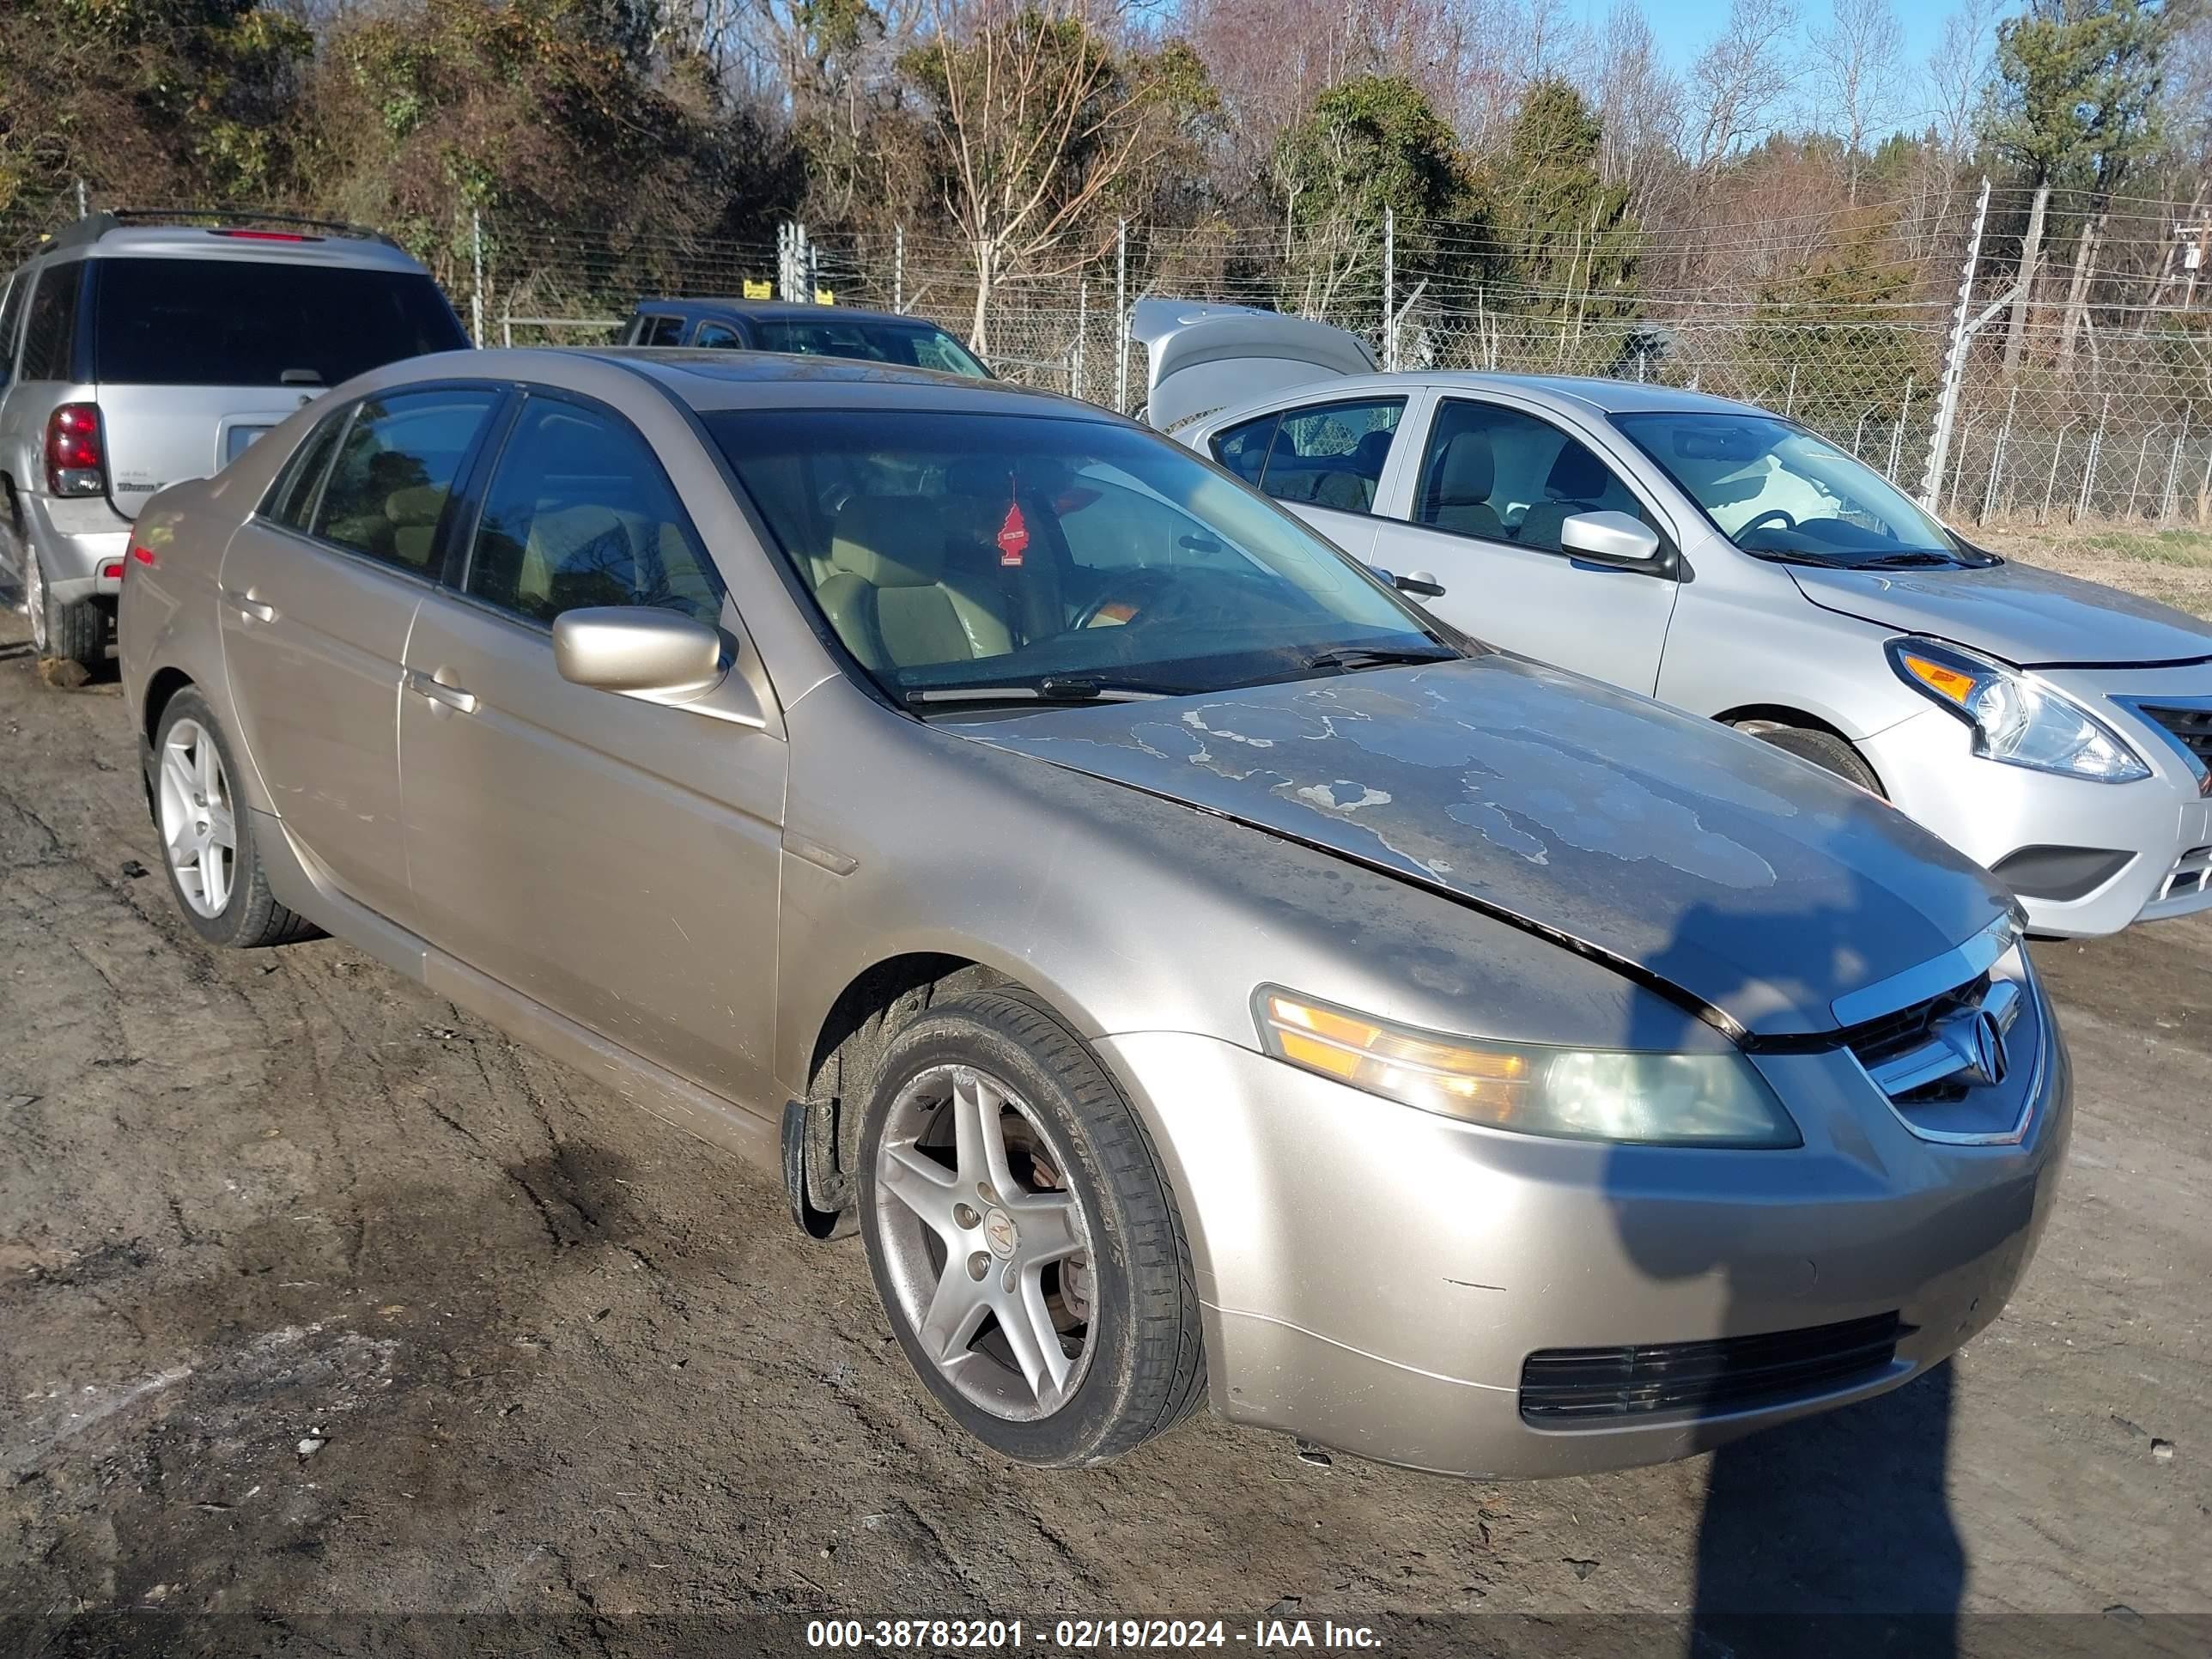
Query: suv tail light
x=77, y=463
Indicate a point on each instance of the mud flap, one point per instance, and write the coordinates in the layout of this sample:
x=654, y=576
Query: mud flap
x=815, y=1224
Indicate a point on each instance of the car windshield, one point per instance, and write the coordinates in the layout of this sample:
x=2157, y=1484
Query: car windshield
x=912, y=345
x=253, y=322
x=1778, y=491
x=965, y=558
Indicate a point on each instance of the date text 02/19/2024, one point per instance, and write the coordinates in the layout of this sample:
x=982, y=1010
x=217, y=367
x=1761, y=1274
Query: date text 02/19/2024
x=1085, y=1635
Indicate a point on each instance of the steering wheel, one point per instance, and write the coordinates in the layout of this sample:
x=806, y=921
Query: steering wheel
x=1788, y=522
x=1141, y=589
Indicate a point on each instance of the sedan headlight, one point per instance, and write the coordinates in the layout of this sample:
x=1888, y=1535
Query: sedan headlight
x=2016, y=719
x=1577, y=1094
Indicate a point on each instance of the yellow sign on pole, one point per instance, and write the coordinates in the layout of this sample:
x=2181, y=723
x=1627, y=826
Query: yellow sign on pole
x=823, y=296
x=759, y=290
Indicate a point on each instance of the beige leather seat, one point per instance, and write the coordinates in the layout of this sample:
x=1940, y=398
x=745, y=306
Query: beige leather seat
x=414, y=512
x=887, y=596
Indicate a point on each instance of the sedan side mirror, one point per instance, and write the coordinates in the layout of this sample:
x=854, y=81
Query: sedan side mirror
x=1616, y=538
x=653, y=655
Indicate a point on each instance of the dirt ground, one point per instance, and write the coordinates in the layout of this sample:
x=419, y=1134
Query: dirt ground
x=317, y=1296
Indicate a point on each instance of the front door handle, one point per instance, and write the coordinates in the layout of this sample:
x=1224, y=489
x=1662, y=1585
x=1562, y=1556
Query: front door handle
x=246, y=606
x=451, y=696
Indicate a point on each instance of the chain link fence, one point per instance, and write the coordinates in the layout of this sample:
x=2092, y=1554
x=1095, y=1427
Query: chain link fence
x=2116, y=429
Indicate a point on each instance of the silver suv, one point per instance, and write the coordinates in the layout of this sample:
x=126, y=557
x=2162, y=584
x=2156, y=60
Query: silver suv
x=136, y=351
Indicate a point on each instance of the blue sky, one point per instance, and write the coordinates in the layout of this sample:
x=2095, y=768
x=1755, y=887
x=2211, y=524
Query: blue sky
x=1684, y=26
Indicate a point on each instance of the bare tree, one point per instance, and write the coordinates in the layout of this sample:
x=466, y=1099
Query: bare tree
x=1959, y=71
x=1855, y=75
x=1740, y=82
x=1640, y=102
x=1043, y=117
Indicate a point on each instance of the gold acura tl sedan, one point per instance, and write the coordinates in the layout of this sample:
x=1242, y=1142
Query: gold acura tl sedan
x=1197, y=973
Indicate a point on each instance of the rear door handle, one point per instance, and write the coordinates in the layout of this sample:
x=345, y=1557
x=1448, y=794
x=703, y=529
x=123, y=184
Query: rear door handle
x=452, y=696
x=246, y=606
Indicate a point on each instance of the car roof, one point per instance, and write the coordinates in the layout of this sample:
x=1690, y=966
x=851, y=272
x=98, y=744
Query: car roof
x=711, y=380
x=777, y=310
x=353, y=249
x=1564, y=392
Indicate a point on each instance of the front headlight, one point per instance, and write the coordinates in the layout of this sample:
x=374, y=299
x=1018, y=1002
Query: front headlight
x=1577, y=1094
x=2016, y=719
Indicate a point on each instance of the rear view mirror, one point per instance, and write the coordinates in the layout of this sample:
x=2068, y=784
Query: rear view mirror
x=1616, y=538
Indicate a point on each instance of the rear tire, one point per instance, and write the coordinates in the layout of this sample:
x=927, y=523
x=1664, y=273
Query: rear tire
x=1010, y=1199
x=59, y=632
x=206, y=834
x=1824, y=749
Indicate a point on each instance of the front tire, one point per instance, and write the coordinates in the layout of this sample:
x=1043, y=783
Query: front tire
x=206, y=834
x=1024, y=1242
x=1824, y=749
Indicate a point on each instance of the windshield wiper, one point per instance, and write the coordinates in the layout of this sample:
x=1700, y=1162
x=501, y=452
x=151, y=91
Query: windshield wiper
x=1907, y=560
x=1054, y=687
x=1351, y=659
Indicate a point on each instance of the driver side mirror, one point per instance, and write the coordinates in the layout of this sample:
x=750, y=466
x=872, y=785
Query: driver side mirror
x=654, y=656
x=1615, y=538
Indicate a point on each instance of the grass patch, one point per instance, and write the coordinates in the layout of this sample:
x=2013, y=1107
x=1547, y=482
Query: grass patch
x=2190, y=548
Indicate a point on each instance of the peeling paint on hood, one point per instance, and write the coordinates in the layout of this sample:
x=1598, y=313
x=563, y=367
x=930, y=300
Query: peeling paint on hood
x=1744, y=877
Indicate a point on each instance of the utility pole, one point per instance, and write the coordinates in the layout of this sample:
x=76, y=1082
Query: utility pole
x=475, y=292
x=898, y=270
x=1954, y=362
x=1122, y=316
x=1390, y=289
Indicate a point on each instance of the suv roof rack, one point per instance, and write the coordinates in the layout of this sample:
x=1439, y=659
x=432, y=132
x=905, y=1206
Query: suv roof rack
x=82, y=231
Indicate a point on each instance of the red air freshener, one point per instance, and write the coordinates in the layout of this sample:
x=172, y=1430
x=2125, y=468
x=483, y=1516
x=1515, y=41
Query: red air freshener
x=1013, y=536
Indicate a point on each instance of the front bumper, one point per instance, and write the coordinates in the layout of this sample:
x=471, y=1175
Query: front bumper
x=2161, y=827
x=78, y=540
x=1373, y=1277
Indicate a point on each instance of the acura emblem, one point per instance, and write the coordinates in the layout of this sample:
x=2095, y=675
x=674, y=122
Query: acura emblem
x=1989, y=1050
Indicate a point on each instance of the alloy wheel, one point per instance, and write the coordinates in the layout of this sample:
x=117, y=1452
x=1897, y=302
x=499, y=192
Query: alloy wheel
x=200, y=828
x=989, y=1251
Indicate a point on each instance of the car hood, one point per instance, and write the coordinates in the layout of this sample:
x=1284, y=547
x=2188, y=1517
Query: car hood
x=1687, y=855
x=2031, y=617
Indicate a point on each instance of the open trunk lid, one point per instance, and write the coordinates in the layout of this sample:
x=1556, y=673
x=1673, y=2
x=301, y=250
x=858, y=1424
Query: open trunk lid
x=1205, y=357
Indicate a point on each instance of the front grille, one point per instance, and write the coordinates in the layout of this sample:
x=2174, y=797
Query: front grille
x=1597, y=1387
x=2192, y=727
x=1884, y=1038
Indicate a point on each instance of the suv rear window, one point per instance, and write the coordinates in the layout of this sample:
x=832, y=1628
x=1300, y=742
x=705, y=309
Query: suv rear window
x=247, y=322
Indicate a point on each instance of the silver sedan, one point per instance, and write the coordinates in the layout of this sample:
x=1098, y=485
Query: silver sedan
x=1735, y=564
x=1199, y=976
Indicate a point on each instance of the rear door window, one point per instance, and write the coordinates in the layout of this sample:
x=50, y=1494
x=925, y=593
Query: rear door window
x=717, y=337
x=659, y=330
x=261, y=322
x=50, y=334
x=1332, y=455
x=1243, y=448
x=292, y=503
x=395, y=471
